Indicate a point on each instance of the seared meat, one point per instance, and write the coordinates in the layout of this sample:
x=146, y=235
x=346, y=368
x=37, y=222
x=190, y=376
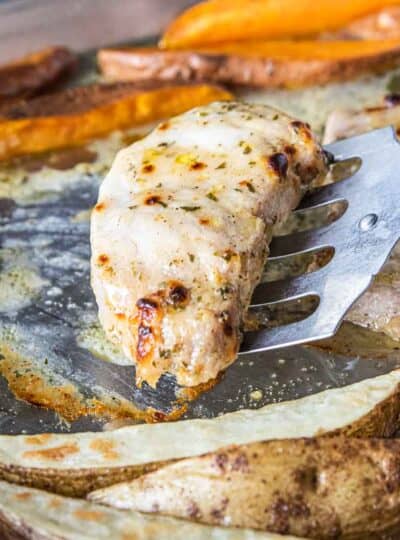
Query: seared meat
x=181, y=229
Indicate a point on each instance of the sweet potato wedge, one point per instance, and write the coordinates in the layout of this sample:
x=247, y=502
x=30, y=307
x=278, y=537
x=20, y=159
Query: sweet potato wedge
x=33, y=73
x=384, y=24
x=268, y=64
x=318, y=488
x=72, y=117
x=216, y=21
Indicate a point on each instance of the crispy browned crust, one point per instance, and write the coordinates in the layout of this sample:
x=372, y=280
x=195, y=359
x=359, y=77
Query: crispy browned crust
x=154, y=64
x=35, y=72
x=316, y=488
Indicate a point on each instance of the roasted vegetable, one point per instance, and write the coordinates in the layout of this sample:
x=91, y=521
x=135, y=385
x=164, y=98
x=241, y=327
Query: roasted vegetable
x=36, y=72
x=76, y=463
x=222, y=20
x=384, y=24
x=77, y=115
x=36, y=515
x=318, y=488
x=268, y=64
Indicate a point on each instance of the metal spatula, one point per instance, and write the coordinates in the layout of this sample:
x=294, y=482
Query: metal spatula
x=361, y=238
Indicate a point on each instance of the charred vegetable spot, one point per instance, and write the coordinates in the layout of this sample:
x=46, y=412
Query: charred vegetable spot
x=221, y=461
x=105, y=448
x=247, y=184
x=57, y=453
x=164, y=126
x=89, y=515
x=103, y=259
x=197, y=166
x=24, y=496
x=148, y=168
x=42, y=438
x=303, y=129
x=154, y=199
x=279, y=164
x=99, y=207
x=193, y=511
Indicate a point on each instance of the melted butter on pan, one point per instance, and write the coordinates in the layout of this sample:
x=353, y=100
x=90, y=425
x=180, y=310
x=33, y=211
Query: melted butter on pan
x=38, y=178
x=20, y=282
x=94, y=340
x=314, y=104
x=41, y=385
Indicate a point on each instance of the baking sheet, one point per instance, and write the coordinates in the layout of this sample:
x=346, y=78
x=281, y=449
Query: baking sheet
x=51, y=344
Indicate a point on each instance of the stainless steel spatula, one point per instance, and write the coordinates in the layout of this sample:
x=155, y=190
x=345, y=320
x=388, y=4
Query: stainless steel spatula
x=361, y=238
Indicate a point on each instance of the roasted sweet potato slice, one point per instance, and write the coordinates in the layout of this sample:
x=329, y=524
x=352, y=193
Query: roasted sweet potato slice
x=35, y=72
x=216, y=21
x=74, y=116
x=384, y=24
x=268, y=64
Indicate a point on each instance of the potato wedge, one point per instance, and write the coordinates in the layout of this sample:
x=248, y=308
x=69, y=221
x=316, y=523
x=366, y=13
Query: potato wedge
x=342, y=124
x=35, y=72
x=215, y=21
x=77, y=463
x=37, y=515
x=267, y=64
x=319, y=488
x=72, y=117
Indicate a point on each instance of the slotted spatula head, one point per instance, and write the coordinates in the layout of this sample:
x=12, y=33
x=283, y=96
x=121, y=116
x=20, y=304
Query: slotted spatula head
x=361, y=240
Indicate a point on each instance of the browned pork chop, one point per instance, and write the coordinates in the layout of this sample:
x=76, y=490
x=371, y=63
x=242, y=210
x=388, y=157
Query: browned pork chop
x=181, y=230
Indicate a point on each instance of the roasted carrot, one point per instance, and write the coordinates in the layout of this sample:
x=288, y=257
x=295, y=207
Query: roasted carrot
x=268, y=64
x=216, y=21
x=75, y=116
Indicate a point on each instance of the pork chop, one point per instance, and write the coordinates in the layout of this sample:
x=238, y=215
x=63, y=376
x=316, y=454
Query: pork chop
x=181, y=230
